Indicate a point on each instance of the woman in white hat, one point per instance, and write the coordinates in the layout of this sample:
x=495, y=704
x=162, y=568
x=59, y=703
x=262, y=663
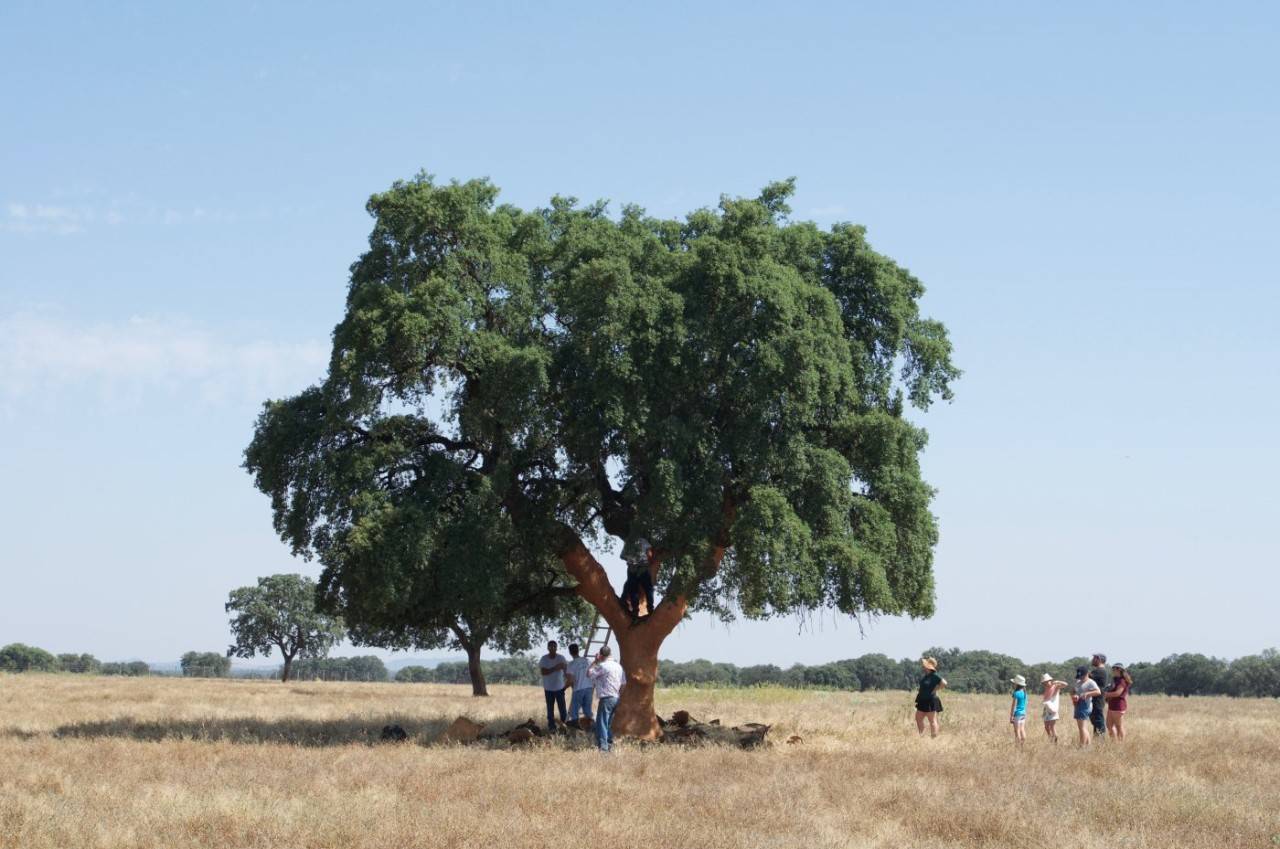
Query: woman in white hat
x=1018, y=709
x=1052, y=689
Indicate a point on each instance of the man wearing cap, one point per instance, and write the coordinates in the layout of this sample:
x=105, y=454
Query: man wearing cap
x=580, y=685
x=1098, y=672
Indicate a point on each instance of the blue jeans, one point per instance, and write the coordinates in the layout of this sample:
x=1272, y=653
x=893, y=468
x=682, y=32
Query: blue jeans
x=555, y=698
x=604, y=720
x=580, y=701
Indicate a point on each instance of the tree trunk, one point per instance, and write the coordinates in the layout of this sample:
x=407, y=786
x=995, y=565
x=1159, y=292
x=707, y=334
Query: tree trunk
x=288, y=664
x=636, y=715
x=638, y=639
x=478, y=687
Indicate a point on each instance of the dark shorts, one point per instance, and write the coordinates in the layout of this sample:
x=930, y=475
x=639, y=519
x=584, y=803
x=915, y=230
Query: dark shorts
x=929, y=705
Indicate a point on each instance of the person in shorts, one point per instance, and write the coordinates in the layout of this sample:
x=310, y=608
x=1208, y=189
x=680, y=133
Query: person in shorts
x=1117, y=699
x=1049, y=706
x=1018, y=709
x=1086, y=691
x=928, y=705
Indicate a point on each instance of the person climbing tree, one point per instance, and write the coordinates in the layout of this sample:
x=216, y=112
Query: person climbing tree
x=638, y=555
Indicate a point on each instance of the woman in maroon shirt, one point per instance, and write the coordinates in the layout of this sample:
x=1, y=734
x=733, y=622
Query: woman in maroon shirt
x=1117, y=696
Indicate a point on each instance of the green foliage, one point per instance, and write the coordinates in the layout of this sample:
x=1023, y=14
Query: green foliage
x=697, y=673
x=280, y=612
x=1192, y=674
x=209, y=664
x=505, y=670
x=131, y=669
x=506, y=382
x=1255, y=675
x=877, y=672
x=80, y=664
x=414, y=675
x=19, y=657
x=362, y=668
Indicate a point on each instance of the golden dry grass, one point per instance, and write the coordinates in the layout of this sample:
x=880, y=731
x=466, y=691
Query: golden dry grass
x=113, y=763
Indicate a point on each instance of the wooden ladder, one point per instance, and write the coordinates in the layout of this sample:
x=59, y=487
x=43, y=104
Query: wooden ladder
x=595, y=639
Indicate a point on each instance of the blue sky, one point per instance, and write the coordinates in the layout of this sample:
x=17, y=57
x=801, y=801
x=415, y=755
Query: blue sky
x=1091, y=196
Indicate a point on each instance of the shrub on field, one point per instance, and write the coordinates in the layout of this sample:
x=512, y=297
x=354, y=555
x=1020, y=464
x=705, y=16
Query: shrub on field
x=504, y=670
x=760, y=675
x=414, y=675
x=1192, y=674
x=132, y=669
x=83, y=664
x=363, y=668
x=1254, y=675
x=697, y=673
x=19, y=657
x=205, y=664
x=876, y=672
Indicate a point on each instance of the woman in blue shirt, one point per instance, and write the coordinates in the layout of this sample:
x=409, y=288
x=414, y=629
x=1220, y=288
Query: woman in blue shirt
x=1018, y=709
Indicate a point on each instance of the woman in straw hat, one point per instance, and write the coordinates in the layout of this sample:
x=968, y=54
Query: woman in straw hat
x=928, y=705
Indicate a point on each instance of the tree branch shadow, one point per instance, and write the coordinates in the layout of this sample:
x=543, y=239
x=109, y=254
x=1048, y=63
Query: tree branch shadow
x=352, y=730
x=361, y=730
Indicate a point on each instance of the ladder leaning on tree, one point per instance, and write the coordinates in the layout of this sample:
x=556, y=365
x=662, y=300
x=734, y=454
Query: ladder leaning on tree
x=595, y=639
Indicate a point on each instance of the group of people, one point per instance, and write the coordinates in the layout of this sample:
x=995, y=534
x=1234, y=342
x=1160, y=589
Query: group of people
x=1099, y=706
x=602, y=677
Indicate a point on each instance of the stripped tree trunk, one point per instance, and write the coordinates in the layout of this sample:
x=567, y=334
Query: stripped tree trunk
x=639, y=640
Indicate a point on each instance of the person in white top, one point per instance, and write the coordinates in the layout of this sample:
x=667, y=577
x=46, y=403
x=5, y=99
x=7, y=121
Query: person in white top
x=1086, y=691
x=581, y=685
x=1052, y=691
x=552, y=666
x=609, y=679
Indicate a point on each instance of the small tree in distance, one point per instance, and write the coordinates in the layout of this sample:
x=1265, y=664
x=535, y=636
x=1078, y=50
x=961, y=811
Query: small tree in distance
x=205, y=664
x=280, y=612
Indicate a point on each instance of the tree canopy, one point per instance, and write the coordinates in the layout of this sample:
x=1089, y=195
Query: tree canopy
x=523, y=385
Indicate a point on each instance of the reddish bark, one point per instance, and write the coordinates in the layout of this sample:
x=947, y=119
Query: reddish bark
x=638, y=639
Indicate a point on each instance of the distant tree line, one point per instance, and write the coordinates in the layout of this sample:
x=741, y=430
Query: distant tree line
x=966, y=671
x=505, y=670
x=989, y=672
x=366, y=668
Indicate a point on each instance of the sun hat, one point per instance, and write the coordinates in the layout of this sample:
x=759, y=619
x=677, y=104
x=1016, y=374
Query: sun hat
x=1046, y=678
x=1119, y=666
x=930, y=663
x=1019, y=680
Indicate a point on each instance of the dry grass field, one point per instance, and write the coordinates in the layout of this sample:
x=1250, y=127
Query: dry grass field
x=153, y=762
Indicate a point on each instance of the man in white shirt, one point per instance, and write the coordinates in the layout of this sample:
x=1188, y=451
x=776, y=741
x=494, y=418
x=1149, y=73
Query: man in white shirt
x=609, y=679
x=581, y=685
x=553, y=666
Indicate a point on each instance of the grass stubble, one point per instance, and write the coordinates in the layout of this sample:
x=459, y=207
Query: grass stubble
x=156, y=762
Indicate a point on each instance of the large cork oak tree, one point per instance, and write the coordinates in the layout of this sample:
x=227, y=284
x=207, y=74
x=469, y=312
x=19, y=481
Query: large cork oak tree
x=540, y=385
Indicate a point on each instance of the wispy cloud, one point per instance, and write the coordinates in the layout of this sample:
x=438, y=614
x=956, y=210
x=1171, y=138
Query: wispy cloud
x=61, y=218
x=45, y=353
x=46, y=218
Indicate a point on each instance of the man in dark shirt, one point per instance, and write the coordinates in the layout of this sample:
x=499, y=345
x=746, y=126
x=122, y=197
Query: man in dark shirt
x=1098, y=672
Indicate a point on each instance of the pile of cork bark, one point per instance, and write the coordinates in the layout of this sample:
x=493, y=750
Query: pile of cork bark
x=680, y=729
